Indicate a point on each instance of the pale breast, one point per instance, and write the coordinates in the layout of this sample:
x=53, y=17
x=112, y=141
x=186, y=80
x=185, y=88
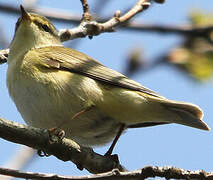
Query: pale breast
x=51, y=99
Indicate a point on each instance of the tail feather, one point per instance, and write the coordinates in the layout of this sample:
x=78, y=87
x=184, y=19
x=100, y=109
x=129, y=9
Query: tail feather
x=189, y=114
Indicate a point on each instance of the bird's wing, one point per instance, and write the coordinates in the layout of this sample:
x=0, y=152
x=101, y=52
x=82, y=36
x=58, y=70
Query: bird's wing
x=68, y=59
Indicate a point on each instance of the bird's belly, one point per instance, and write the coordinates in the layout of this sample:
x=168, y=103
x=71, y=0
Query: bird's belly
x=54, y=104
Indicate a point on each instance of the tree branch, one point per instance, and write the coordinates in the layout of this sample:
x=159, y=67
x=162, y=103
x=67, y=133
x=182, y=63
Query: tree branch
x=146, y=172
x=93, y=28
x=64, y=149
x=67, y=17
x=67, y=150
x=89, y=27
x=197, y=31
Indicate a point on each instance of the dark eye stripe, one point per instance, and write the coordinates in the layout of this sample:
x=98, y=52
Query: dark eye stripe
x=44, y=27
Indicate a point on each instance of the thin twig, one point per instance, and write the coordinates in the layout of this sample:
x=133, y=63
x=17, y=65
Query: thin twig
x=169, y=29
x=3, y=55
x=146, y=172
x=85, y=6
x=67, y=17
x=99, y=6
x=19, y=160
x=29, y=3
x=51, y=13
x=86, y=13
x=117, y=19
x=93, y=28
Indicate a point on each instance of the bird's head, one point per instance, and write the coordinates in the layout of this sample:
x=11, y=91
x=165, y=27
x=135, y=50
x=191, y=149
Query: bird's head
x=34, y=31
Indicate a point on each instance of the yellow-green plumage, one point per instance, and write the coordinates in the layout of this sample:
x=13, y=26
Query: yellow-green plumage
x=50, y=84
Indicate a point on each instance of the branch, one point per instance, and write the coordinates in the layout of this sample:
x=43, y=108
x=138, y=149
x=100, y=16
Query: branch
x=74, y=33
x=64, y=149
x=51, y=13
x=67, y=150
x=146, y=172
x=204, y=31
x=88, y=28
x=93, y=28
x=66, y=17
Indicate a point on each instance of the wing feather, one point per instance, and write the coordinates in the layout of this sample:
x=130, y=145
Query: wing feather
x=71, y=60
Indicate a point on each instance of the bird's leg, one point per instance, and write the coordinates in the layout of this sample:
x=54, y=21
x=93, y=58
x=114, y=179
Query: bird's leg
x=121, y=129
x=76, y=115
x=57, y=131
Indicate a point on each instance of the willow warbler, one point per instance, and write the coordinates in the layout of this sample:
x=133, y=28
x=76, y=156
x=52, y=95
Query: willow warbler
x=55, y=86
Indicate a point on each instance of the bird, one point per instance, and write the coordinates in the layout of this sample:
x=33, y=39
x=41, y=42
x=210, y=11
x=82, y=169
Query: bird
x=55, y=86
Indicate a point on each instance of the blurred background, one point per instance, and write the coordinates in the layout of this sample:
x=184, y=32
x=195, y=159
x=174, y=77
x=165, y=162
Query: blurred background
x=176, y=66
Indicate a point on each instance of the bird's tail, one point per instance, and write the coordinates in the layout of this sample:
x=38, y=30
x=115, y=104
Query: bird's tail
x=188, y=114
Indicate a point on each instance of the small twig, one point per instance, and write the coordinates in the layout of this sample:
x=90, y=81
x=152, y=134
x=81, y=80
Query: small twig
x=99, y=6
x=51, y=13
x=19, y=160
x=29, y=3
x=146, y=172
x=3, y=55
x=93, y=28
x=160, y=1
x=142, y=65
x=140, y=6
x=67, y=34
x=117, y=19
x=85, y=6
x=86, y=13
x=169, y=29
x=64, y=149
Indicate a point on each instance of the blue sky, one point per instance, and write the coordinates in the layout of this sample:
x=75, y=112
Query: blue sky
x=173, y=145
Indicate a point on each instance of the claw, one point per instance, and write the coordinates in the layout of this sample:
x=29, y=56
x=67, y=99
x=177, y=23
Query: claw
x=56, y=134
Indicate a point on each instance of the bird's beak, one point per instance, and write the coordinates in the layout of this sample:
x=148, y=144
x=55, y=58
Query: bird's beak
x=24, y=14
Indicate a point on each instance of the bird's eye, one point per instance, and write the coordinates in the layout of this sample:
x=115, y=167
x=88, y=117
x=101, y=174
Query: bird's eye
x=45, y=28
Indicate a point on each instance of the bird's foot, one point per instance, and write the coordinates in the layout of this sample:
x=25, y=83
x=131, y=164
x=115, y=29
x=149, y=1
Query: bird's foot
x=56, y=134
